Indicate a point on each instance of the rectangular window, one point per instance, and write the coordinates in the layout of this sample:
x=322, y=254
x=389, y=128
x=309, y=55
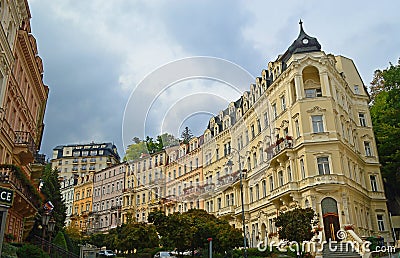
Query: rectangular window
x=251, y=195
x=317, y=124
x=219, y=203
x=323, y=165
x=381, y=224
x=257, y=192
x=374, y=185
x=303, y=171
x=266, y=122
x=258, y=125
x=280, y=177
x=297, y=126
x=274, y=112
x=289, y=172
x=312, y=93
x=271, y=183
x=361, y=117
x=283, y=103
x=253, y=134
x=367, y=147
x=264, y=188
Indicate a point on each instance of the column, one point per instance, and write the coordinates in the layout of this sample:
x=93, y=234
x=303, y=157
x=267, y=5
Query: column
x=325, y=86
x=298, y=83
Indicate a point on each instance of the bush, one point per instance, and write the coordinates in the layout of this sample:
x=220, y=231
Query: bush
x=29, y=251
x=9, y=251
x=60, y=241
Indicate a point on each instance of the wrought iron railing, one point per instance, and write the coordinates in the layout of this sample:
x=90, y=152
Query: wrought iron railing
x=25, y=138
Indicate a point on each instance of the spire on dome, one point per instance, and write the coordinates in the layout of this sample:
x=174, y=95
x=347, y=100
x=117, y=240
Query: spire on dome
x=303, y=43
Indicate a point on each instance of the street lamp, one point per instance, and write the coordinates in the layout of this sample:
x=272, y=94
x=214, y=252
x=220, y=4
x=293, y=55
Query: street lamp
x=45, y=222
x=50, y=229
x=229, y=163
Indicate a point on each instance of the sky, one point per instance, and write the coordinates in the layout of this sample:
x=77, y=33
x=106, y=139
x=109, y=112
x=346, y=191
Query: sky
x=125, y=68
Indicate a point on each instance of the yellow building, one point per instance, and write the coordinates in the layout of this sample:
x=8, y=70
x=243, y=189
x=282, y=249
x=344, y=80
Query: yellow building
x=304, y=138
x=23, y=98
x=82, y=205
x=184, y=177
x=144, y=186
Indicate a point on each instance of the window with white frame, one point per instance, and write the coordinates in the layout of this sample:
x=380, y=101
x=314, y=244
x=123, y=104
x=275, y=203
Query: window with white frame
x=363, y=121
x=368, y=150
x=381, y=224
x=274, y=111
x=283, y=103
x=374, y=184
x=271, y=183
x=280, y=178
x=297, y=126
x=266, y=121
x=323, y=165
x=317, y=123
x=303, y=171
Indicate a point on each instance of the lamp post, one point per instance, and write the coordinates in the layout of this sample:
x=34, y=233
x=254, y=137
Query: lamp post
x=45, y=223
x=229, y=163
x=50, y=229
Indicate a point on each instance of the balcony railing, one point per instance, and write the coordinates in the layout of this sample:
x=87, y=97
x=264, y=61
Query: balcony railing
x=227, y=179
x=40, y=158
x=279, y=146
x=25, y=139
x=11, y=174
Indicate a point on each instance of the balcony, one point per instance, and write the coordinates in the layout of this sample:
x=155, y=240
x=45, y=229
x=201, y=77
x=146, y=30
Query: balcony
x=227, y=180
x=27, y=200
x=283, y=190
x=278, y=147
x=40, y=158
x=191, y=191
x=228, y=210
x=169, y=200
x=24, y=147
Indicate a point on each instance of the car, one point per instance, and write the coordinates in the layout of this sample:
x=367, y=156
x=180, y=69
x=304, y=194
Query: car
x=164, y=254
x=106, y=253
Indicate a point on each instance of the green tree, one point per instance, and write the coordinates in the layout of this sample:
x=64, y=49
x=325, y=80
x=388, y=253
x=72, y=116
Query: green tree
x=51, y=190
x=296, y=225
x=385, y=115
x=186, y=135
x=60, y=241
x=135, y=150
x=190, y=230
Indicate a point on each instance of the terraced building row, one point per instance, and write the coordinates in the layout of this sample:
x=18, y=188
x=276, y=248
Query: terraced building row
x=300, y=137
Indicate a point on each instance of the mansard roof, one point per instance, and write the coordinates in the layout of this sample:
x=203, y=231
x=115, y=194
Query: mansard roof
x=304, y=43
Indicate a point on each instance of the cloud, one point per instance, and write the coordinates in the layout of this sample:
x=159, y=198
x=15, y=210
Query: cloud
x=95, y=53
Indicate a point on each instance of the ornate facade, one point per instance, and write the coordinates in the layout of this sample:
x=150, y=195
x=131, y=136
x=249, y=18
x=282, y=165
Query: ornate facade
x=301, y=137
x=23, y=98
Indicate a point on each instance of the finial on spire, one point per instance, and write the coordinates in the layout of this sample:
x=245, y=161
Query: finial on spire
x=301, y=26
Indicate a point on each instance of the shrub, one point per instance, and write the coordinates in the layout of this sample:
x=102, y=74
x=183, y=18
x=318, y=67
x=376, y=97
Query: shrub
x=9, y=251
x=29, y=251
x=60, y=241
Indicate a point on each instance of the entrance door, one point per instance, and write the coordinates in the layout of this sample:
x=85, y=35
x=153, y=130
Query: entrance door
x=331, y=218
x=331, y=226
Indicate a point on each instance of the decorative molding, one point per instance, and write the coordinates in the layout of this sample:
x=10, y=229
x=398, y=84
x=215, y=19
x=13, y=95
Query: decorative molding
x=316, y=109
x=284, y=122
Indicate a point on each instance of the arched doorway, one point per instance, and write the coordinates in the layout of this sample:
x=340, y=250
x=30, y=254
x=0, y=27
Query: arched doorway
x=330, y=218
